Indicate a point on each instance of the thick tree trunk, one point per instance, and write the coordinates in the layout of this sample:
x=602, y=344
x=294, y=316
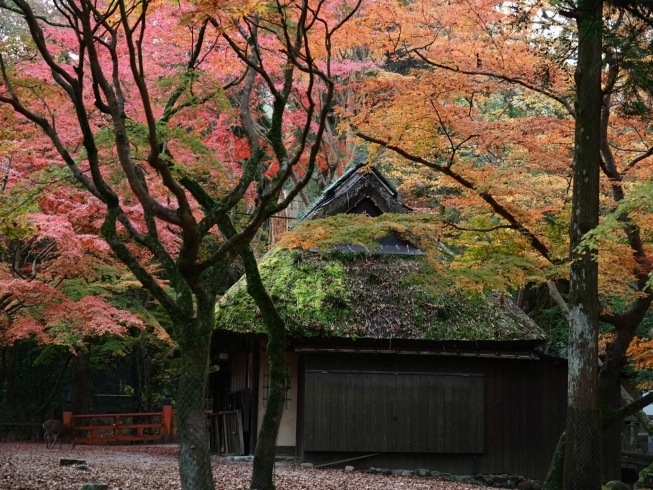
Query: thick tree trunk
x=582, y=469
x=194, y=450
x=556, y=469
x=262, y=474
x=80, y=397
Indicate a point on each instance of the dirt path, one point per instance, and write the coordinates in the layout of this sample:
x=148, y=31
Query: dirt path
x=32, y=467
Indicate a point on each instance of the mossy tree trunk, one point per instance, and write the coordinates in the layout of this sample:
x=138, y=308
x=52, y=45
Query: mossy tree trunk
x=556, y=469
x=194, y=451
x=262, y=474
x=582, y=469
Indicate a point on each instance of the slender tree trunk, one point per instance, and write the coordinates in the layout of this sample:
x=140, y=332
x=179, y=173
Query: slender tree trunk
x=583, y=435
x=147, y=373
x=43, y=409
x=194, y=450
x=80, y=398
x=13, y=391
x=262, y=474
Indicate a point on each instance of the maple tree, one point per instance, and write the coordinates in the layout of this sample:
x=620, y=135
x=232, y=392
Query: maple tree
x=485, y=100
x=34, y=305
x=172, y=117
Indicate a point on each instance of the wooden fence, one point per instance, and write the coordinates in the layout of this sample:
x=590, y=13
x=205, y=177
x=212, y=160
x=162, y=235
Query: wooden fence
x=121, y=427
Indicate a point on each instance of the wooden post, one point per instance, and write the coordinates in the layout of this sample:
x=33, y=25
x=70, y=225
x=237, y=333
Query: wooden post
x=166, y=418
x=68, y=419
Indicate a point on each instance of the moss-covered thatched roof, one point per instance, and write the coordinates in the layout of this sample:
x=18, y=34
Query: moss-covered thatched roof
x=372, y=296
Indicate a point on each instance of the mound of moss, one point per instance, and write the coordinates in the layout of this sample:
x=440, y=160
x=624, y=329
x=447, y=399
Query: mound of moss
x=371, y=296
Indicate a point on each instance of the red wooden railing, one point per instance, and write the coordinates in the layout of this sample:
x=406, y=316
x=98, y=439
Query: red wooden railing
x=119, y=431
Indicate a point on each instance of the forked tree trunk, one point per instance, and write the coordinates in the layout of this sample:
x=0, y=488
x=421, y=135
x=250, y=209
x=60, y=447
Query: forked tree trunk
x=582, y=469
x=262, y=474
x=194, y=450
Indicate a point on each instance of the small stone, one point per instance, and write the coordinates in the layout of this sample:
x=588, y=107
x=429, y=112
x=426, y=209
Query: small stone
x=386, y=471
x=500, y=479
x=349, y=468
x=81, y=467
x=510, y=484
x=397, y=472
x=489, y=479
x=423, y=472
x=536, y=485
x=435, y=473
x=497, y=484
x=70, y=462
x=480, y=482
x=407, y=473
x=306, y=465
x=617, y=485
x=524, y=485
x=242, y=458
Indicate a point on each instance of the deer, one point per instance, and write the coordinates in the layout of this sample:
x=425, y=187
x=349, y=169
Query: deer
x=55, y=430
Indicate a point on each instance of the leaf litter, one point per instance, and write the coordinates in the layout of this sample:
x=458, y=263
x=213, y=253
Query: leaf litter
x=30, y=466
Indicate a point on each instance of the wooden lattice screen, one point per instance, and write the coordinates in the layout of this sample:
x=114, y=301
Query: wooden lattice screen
x=231, y=423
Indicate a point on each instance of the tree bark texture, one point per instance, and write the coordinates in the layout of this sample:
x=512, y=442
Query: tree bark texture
x=262, y=474
x=194, y=450
x=13, y=392
x=80, y=397
x=555, y=474
x=147, y=374
x=582, y=469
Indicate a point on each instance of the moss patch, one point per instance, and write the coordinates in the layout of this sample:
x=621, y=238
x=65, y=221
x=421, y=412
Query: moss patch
x=371, y=296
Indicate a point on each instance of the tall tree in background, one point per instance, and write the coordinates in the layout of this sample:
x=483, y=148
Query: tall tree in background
x=584, y=428
x=168, y=147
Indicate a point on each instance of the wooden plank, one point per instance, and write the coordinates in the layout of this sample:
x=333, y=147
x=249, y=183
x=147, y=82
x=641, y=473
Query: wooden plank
x=309, y=412
x=402, y=435
x=358, y=409
x=325, y=408
x=350, y=409
x=382, y=414
x=450, y=430
x=439, y=382
x=480, y=416
x=368, y=414
x=342, y=417
x=431, y=423
x=391, y=391
x=465, y=414
x=492, y=426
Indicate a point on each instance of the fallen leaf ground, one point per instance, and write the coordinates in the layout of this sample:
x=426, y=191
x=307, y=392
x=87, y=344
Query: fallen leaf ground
x=26, y=466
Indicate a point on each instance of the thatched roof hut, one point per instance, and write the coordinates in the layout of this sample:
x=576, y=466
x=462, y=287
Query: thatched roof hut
x=389, y=292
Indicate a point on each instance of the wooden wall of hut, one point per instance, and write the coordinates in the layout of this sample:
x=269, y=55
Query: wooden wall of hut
x=459, y=416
